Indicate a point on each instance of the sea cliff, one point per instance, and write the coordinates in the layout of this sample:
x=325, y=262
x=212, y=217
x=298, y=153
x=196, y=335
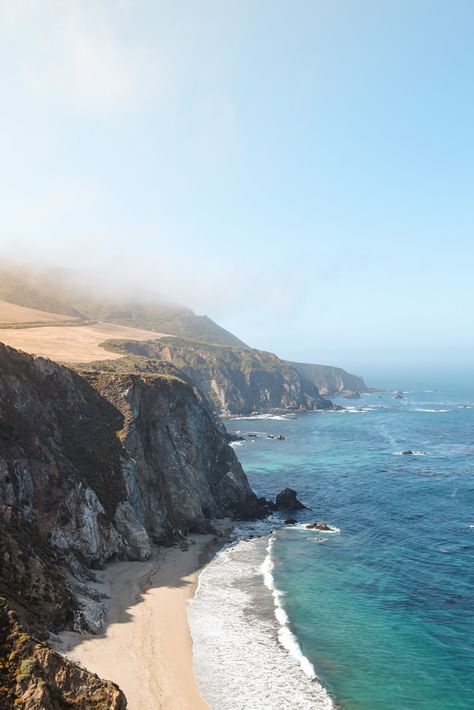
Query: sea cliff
x=330, y=380
x=98, y=470
x=237, y=381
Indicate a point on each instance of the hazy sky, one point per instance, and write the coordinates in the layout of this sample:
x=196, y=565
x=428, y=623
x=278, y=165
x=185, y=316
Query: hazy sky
x=303, y=172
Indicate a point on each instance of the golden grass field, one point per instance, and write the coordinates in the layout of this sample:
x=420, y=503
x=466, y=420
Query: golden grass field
x=63, y=343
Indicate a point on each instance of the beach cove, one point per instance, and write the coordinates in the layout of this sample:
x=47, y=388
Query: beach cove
x=146, y=648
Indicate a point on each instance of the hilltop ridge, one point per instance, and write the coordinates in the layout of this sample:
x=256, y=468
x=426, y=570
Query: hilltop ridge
x=51, y=292
x=88, y=325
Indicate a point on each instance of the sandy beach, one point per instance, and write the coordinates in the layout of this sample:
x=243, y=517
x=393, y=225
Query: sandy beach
x=147, y=648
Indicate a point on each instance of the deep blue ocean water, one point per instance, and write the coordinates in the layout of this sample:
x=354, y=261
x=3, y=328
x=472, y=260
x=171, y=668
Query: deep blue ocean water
x=385, y=609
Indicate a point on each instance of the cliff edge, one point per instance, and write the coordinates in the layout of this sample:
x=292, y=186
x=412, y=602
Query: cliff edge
x=92, y=471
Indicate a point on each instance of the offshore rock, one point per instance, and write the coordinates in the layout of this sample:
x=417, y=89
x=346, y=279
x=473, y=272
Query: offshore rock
x=287, y=500
x=320, y=526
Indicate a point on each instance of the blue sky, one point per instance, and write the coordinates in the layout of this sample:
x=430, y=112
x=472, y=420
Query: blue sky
x=303, y=172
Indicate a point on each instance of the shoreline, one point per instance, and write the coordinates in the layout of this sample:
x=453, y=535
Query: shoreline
x=146, y=647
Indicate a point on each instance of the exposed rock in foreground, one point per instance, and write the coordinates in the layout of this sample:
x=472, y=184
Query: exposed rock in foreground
x=91, y=474
x=33, y=677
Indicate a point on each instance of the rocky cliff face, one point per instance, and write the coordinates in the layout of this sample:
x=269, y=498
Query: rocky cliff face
x=236, y=381
x=93, y=471
x=179, y=471
x=33, y=677
x=331, y=380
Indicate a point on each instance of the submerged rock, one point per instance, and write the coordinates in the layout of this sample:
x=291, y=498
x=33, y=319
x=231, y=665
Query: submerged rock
x=408, y=452
x=231, y=437
x=290, y=521
x=287, y=500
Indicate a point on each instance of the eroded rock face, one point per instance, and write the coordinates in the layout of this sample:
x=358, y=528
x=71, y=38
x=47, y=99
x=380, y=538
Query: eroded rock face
x=236, y=381
x=93, y=471
x=180, y=471
x=33, y=677
x=331, y=380
x=60, y=485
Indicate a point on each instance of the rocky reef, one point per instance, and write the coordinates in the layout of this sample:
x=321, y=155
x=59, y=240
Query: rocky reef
x=235, y=380
x=92, y=471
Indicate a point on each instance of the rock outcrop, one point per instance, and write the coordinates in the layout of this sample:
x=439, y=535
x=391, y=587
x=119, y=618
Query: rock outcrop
x=287, y=500
x=95, y=471
x=33, y=677
x=331, y=381
x=235, y=380
x=324, y=527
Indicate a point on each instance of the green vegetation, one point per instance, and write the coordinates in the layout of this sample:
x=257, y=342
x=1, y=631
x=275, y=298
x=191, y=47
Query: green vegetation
x=26, y=668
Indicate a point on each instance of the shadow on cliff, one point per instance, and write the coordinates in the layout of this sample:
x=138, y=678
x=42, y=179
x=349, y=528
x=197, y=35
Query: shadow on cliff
x=128, y=583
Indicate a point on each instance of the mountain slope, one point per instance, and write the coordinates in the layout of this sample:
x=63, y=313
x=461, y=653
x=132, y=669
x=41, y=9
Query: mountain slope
x=54, y=291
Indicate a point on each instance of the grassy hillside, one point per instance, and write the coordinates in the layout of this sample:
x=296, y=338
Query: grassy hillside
x=25, y=288
x=51, y=291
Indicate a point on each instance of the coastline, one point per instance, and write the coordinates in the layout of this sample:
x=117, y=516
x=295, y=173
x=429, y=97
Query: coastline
x=147, y=646
x=238, y=614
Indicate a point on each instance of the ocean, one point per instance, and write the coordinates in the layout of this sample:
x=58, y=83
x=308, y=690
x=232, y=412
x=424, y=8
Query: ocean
x=377, y=615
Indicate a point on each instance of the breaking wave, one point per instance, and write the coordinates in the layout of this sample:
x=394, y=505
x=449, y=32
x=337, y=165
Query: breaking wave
x=245, y=653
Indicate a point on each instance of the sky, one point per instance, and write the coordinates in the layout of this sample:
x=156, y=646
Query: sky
x=301, y=171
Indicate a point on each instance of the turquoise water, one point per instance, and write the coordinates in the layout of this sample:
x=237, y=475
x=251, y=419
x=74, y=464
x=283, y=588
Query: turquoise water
x=384, y=609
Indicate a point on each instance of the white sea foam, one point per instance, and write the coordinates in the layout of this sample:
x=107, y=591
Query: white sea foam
x=358, y=410
x=433, y=411
x=276, y=417
x=246, y=656
x=304, y=527
x=235, y=444
x=285, y=636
